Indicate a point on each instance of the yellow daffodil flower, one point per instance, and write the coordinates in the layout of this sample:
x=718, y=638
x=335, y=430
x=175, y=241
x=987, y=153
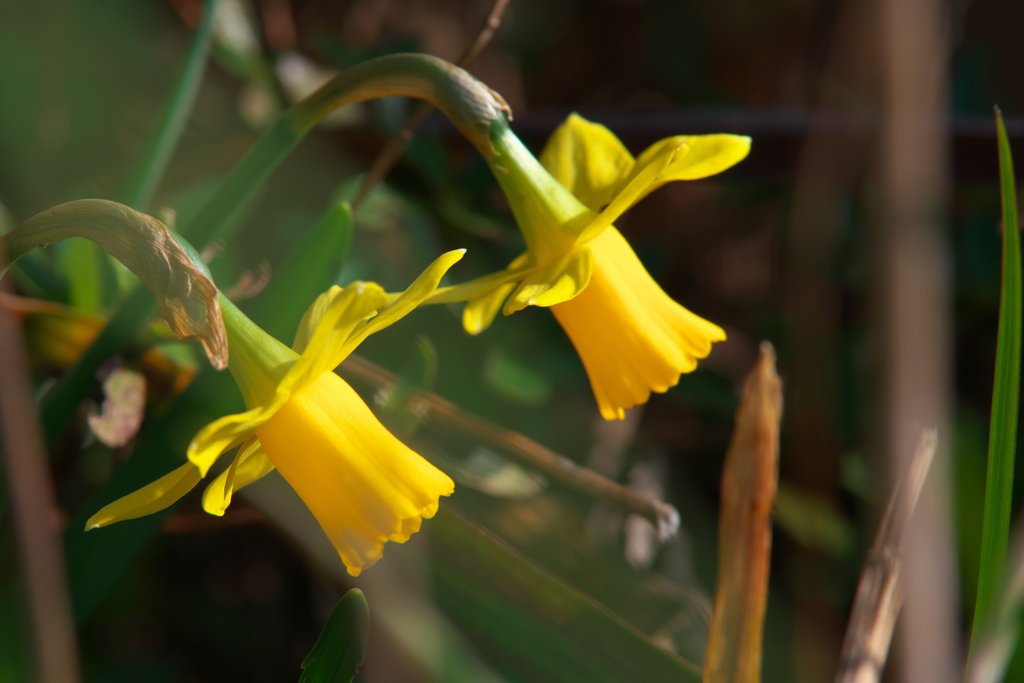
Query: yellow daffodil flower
x=632, y=337
x=364, y=486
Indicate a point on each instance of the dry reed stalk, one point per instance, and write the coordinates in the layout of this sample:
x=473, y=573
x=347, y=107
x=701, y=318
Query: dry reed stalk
x=749, y=481
x=880, y=589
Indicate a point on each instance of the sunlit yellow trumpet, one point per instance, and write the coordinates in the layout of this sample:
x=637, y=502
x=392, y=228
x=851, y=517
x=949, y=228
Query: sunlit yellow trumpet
x=632, y=337
x=364, y=486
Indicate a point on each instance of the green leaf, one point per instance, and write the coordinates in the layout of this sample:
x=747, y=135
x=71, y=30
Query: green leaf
x=813, y=521
x=157, y=155
x=64, y=397
x=341, y=647
x=515, y=380
x=310, y=269
x=81, y=262
x=1005, y=397
x=533, y=621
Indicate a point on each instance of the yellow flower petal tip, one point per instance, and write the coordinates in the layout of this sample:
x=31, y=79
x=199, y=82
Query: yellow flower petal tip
x=151, y=498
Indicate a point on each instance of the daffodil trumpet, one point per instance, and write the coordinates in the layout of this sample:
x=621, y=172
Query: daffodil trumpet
x=364, y=486
x=630, y=335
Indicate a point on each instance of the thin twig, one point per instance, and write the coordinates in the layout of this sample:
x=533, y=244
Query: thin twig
x=427, y=405
x=880, y=590
x=36, y=516
x=396, y=147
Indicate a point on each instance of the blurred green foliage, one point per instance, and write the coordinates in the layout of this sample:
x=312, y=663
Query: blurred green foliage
x=181, y=596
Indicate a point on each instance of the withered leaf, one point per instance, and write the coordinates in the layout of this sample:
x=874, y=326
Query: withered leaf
x=186, y=295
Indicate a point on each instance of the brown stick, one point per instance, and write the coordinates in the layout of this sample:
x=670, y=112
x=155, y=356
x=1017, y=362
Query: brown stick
x=749, y=481
x=880, y=590
x=36, y=516
x=664, y=516
x=396, y=147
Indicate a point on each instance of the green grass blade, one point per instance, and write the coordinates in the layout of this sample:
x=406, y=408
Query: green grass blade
x=310, y=269
x=157, y=155
x=532, y=621
x=220, y=213
x=1005, y=397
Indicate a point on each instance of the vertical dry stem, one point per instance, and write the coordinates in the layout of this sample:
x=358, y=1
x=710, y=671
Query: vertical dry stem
x=749, y=482
x=916, y=310
x=880, y=589
x=36, y=517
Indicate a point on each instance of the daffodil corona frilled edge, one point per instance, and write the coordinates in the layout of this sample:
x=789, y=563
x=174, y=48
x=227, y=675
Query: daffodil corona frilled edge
x=631, y=337
x=364, y=486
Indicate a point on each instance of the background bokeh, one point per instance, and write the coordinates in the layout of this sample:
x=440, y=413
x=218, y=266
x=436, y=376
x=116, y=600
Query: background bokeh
x=785, y=247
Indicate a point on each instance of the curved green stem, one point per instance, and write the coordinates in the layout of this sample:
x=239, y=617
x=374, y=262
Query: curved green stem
x=471, y=105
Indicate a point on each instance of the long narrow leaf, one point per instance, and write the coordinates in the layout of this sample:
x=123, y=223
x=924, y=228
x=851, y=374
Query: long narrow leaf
x=157, y=155
x=1005, y=396
x=533, y=621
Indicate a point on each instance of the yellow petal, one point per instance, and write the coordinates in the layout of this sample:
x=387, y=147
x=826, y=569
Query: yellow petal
x=332, y=318
x=708, y=155
x=418, y=291
x=478, y=287
x=229, y=431
x=250, y=464
x=364, y=486
x=154, y=497
x=632, y=337
x=479, y=313
x=312, y=317
x=646, y=173
x=588, y=160
x=558, y=282
x=484, y=305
